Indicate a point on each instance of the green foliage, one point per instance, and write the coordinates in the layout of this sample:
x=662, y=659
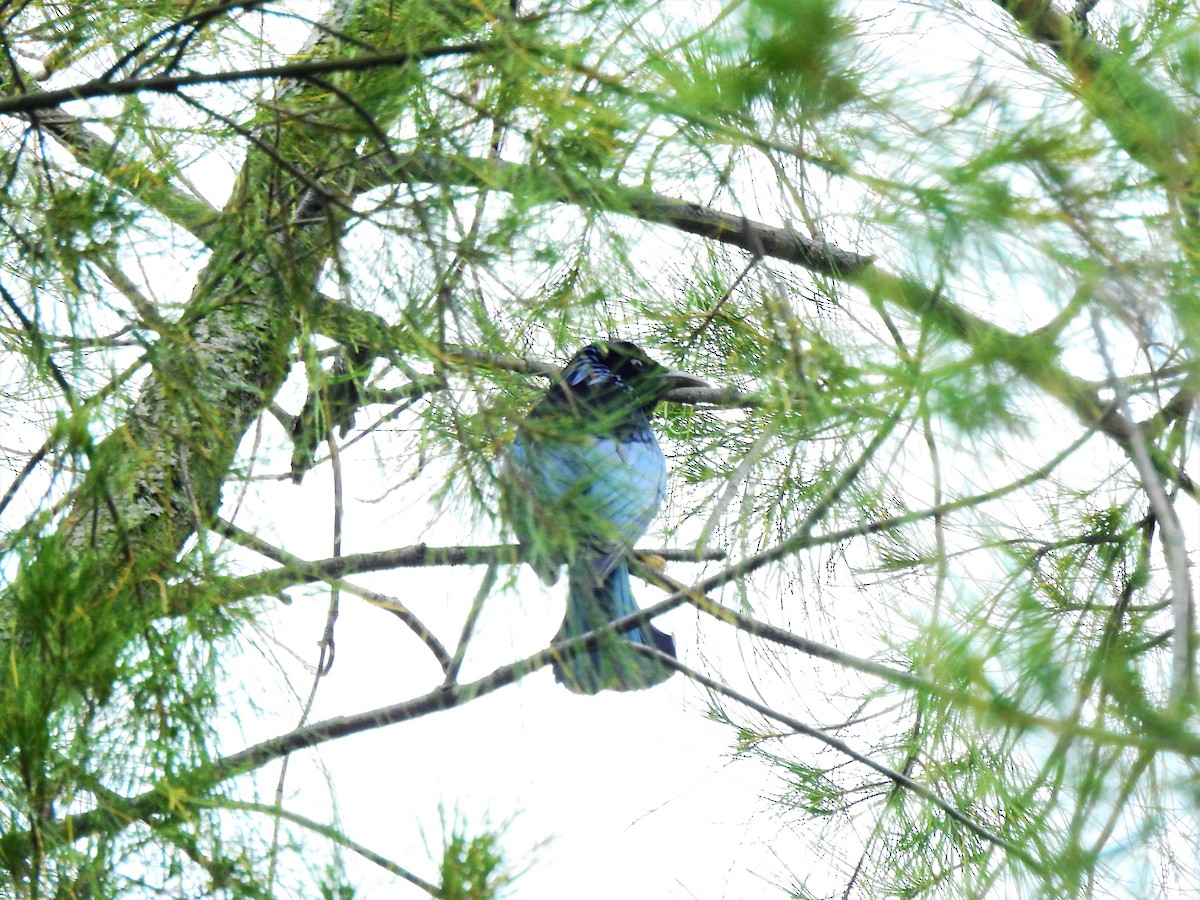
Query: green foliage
x=473, y=866
x=581, y=131
x=975, y=398
x=333, y=885
x=797, y=56
x=948, y=301
x=90, y=715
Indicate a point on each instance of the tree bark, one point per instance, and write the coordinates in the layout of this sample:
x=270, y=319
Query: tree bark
x=156, y=480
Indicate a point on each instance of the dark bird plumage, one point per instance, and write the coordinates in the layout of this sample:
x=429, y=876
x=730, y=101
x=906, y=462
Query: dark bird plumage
x=586, y=477
x=334, y=398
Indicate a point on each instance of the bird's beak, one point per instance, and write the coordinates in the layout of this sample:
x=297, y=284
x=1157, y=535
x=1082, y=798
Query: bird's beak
x=675, y=379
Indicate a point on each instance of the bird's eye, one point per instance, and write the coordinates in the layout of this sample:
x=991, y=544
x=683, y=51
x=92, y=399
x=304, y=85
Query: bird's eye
x=636, y=365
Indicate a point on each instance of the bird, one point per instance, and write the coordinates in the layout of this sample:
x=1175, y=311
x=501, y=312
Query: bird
x=586, y=477
x=334, y=397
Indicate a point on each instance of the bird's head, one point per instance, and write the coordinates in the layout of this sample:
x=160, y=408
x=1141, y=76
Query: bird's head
x=607, y=363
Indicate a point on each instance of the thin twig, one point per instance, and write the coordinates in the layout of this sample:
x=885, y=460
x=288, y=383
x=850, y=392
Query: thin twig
x=298, y=571
x=34, y=101
x=1174, y=543
x=841, y=746
x=332, y=834
x=485, y=588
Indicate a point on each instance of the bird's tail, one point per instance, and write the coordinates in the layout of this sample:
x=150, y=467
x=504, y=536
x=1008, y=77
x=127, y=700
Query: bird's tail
x=594, y=600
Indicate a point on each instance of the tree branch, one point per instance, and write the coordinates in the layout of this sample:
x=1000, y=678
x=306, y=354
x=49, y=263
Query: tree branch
x=35, y=101
x=1033, y=356
x=332, y=834
x=899, y=778
x=296, y=571
x=1144, y=120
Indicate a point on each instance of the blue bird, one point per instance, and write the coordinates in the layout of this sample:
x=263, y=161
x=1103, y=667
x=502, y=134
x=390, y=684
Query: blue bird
x=585, y=479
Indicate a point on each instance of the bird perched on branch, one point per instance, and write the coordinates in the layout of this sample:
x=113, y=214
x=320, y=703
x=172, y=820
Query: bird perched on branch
x=585, y=479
